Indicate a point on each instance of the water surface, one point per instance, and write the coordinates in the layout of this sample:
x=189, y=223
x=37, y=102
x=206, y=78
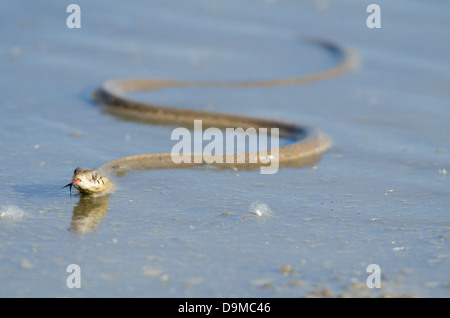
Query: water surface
x=379, y=196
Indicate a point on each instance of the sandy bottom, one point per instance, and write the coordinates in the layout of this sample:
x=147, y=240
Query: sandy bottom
x=379, y=196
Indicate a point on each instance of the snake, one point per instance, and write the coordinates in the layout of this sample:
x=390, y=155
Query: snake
x=309, y=143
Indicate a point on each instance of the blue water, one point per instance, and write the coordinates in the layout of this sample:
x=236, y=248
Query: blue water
x=379, y=196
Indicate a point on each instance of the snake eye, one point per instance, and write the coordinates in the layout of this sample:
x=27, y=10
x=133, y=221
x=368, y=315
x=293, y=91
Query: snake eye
x=94, y=175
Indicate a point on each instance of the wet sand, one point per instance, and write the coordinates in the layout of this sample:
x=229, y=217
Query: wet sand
x=379, y=196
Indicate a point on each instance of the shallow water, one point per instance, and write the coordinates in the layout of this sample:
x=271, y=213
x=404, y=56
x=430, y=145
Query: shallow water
x=379, y=196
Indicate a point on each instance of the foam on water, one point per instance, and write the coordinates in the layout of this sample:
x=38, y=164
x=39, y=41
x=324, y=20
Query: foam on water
x=12, y=213
x=260, y=209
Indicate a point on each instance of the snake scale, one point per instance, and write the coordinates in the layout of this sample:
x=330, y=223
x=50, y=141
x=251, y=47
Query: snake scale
x=309, y=142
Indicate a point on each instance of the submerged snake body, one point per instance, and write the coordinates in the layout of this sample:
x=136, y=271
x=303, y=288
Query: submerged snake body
x=308, y=145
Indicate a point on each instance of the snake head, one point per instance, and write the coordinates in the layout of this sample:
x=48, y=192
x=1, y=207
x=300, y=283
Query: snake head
x=89, y=181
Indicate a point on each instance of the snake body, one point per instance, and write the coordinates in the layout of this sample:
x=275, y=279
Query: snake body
x=309, y=142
